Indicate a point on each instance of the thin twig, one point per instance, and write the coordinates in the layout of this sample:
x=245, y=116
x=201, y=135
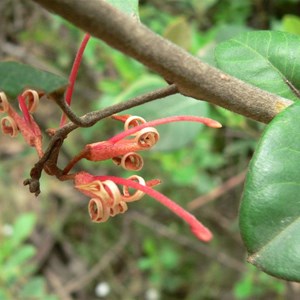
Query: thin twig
x=49, y=156
x=57, y=285
x=218, y=191
x=91, y=118
x=293, y=88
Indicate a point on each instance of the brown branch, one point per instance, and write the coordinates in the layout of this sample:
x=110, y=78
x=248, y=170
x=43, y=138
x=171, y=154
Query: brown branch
x=91, y=118
x=55, y=282
x=192, y=77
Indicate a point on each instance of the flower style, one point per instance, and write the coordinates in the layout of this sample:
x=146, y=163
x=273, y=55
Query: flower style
x=73, y=74
x=14, y=123
x=105, y=197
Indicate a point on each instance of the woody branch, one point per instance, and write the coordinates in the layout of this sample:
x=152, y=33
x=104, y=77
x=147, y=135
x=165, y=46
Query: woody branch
x=191, y=76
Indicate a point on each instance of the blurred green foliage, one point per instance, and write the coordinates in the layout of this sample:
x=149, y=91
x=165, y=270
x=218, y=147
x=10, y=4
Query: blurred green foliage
x=17, y=279
x=291, y=23
x=176, y=270
x=256, y=283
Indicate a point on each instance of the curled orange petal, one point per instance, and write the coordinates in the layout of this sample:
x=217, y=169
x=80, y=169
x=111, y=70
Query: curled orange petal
x=32, y=99
x=133, y=121
x=4, y=104
x=130, y=161
x=98, y=211
x=118, y=209
x=114, y=193
x=94, y=189
x=147, y=137
x=137, y=195
x=9, y=126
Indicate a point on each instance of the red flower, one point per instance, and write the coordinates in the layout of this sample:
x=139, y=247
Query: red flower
x=25, y=124
x=106, y=198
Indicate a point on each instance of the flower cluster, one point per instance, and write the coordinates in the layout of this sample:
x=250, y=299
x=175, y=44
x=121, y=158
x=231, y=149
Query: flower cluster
x=122, y=151
x=106, y=198
x=24, y=123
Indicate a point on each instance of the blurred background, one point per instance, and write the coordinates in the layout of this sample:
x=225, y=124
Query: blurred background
x=49, y=248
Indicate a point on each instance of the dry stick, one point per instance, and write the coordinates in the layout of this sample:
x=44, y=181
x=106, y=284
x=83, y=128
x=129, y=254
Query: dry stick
x=57, y=285
x=192, y=77
x=218, y=191
x=77, y=284
x=163, y=230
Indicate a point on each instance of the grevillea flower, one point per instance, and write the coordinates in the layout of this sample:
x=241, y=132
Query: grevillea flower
x=14, y=123
x=143, y=137
x=106, y=199
x=122, y=151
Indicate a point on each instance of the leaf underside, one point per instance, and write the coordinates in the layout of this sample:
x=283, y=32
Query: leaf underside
x=270, y=207
x=266, y=59
x=15, y=77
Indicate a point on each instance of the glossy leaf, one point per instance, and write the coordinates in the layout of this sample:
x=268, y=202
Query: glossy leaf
x=175, y=135
x=266, y=59
x=130, y=7
x=270, y=207
x=15, y=77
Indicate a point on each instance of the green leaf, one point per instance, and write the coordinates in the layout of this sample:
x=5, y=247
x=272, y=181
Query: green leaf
x=3, y=293
x=174, y=135
x=15, y=77
x=20, y=256
x=265, y=59
x=23, y=228
x=169, y=258
x=130, y=7
x=270, y=210
x=35, y=288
